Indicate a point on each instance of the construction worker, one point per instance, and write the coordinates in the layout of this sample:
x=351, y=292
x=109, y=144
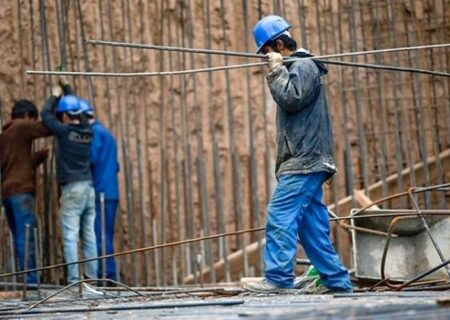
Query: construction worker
x=18, y=162
x=304, y=162
x=63, y=117
x=104, y=168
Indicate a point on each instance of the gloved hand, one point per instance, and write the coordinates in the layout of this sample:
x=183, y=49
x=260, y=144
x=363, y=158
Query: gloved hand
x=57, y=91
x=275, y=60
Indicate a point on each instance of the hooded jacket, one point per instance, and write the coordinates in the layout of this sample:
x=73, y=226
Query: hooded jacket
x=304, y=133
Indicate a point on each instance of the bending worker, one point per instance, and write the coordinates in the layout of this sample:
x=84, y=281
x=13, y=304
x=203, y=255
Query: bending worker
x=305, y=160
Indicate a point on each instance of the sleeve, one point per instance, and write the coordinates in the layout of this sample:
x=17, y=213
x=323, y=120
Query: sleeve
x=39, y=157
x=294, y=89
x=49, y=119
x=96, y=145
x=39, y=130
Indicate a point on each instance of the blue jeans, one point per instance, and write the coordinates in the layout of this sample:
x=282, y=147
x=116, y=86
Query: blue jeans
x=110, y=216
x=296, y=210
x=77, y=218
x=19, y=209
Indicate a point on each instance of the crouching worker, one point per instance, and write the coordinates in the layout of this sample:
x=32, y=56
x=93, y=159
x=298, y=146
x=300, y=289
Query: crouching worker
x=63, y=117
x=17, y=163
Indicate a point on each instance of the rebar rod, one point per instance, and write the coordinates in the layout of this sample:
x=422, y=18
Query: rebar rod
x=230, y=67
x=218, y=194
x=396, y=106
x=235, y=182
x=254, y=55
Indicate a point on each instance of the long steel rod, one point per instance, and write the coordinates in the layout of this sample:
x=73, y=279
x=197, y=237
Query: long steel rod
x=254, y=55
x=229, y=67
x=215, y=236
x=145, y=306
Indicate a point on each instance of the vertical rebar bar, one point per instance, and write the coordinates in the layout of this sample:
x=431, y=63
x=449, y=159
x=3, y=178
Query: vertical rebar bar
x=37, y=257
x=218, y=191
x=131, y=233
x=236, y=189
x=25, y=261
x=187, y=182
x=358, y=106
x=137, y=122
x=162, y=147
x=200, y=164
x=176, y=263
x=103, y=236
x=419, y=112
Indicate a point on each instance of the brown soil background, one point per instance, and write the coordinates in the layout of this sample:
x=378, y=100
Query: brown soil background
x=383, y=121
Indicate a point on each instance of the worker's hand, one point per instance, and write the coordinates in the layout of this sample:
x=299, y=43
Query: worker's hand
x=62, y=80
x=57, y=91
x=275, y=60
x=44, y=152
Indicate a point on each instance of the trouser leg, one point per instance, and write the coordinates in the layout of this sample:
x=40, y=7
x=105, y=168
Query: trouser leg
x=88, y=233
x=20, y=213
x=110, y=216
x=314, y=233
x=281, y=230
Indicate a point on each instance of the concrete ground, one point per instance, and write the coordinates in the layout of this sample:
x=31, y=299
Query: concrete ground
x=234, y=304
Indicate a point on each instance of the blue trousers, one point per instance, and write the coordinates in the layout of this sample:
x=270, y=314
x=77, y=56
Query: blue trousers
x=296, y=210
x=19, y=209
x=110, y=216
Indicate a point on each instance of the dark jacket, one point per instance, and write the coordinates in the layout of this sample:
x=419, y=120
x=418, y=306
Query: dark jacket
x=17, y=161
x=73, y=143
x=104, y=164
x=304, y=133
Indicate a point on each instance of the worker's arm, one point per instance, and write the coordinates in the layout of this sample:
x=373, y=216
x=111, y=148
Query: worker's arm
x=48, y=116
x=294, y=89
x=37, y=129
x=96, y=145
x=39, y=157
x=65, y=85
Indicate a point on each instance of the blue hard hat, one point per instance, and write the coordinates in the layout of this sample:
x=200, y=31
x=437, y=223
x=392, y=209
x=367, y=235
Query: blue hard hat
x=69, y=104
x=269, y=28
x=86, y=107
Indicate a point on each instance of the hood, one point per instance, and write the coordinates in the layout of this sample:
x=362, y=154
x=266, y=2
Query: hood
x=303, y=53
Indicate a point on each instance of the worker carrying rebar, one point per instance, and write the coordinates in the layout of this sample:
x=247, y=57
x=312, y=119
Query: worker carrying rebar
x=305, y=160
x=62, y=114
x=18, y=164
x=104, y=169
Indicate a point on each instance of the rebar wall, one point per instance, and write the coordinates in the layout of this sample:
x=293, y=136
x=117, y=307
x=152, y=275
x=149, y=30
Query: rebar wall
x=197, y=151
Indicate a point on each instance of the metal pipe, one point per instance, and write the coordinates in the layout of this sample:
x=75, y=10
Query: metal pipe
x=427, y=228
x=218, y=194
x=25, y=261
x=146, y=306
x=228, y=67
x=254, y=55
x=37, y=256
x=103, y=235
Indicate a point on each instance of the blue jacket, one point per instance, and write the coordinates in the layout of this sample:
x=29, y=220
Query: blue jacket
x=304, y=133
x=73, y=143
x=104, y=164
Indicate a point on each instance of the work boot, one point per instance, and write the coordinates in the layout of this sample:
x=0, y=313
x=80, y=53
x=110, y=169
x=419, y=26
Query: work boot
x=262, y=286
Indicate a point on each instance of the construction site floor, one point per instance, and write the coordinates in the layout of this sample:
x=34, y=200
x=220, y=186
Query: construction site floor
x=236, y=304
